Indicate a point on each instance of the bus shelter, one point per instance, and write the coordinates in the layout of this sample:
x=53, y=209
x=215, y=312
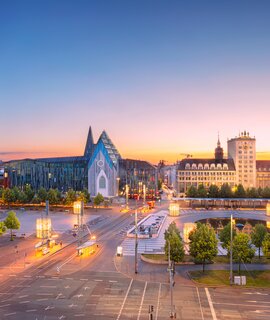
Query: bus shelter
x=87, y=248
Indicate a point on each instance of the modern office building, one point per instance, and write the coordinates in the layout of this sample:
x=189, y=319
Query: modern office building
x=100, y=170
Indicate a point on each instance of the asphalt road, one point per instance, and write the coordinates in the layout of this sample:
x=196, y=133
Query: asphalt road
x=91, y=288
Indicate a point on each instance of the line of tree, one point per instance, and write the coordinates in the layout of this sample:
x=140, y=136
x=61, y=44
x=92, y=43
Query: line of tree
x=174, y=240
x=27, y=195
x=226, y=191
x=242, y=249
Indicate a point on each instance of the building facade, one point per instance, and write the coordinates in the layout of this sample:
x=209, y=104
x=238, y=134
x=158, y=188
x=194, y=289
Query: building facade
x=263, y=173
x=242, y=150
x=100, y=170
x=217, y=171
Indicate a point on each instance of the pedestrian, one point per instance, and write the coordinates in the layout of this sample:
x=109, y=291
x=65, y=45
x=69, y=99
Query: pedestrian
x=61, y=244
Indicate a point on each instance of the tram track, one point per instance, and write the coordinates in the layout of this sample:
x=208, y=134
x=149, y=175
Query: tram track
x=37, y=269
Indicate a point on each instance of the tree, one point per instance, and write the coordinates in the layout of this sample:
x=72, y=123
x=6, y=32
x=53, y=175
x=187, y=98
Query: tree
x=8, y=196
x=213, y=191
x=242, y=250
x=225, y=236
x=70, y=197
x=42, y=195
x=12, y=223
x=225, y=191
x=240, y=191
x=257, y=236
x=266, y=192
x=266, y=245
x=201, y=192
x=252, y=193
x=29, y=193
x=203, y=245
x=17, y=194
x=54, y=196
x=176, y=246
x=2, y=227
x=98, y=199
x=84, y=196
x=192, y=192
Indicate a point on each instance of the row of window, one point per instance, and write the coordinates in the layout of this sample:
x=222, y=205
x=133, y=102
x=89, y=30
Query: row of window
x=205, y=173
x=212, y=166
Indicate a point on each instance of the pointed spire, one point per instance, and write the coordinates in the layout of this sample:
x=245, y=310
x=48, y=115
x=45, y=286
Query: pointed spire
x=218, y=142
x=89, y=146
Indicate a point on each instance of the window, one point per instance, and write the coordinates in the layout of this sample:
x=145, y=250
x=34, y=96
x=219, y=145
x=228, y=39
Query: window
x=194, y=167
x=102, y=182
x=187, y=167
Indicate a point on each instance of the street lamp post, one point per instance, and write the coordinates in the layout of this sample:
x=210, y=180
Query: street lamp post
x=127, y=190
x=231, y=260
x=117, y=193
x=170, y=269
x=136, y=239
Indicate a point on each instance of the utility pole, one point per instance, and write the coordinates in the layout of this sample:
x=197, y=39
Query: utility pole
x=170, y=269
x=231, y=260
x=136, y=238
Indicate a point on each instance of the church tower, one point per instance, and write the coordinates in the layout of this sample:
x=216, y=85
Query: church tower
x=219, y=152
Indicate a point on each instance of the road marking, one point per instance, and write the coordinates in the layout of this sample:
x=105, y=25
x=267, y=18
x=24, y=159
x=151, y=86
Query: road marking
x=9, y=314
x=200, y=302
x=43, y=299
x=49, y=308
x=26, y=295
x=210, y=304
x=4, y=305
x=24, y=302
x=84, y=279
x=27, y=276
x=79, y=315
x=61, y=317
x=122, y=307
x=98, y=280
x=158, y=301
x=32, y=310
x=47, y=286
x=113, y=281
x=58, y=296
x=69, y=259
x=140, y=309
x=258, y=301
x=44, y=294
x=239, y=304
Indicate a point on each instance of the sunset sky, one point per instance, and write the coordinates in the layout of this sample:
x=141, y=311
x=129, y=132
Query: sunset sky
x=161, y=77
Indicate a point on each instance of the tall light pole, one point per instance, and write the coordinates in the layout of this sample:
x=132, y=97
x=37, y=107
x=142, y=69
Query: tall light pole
x=136, y=239
x=127, y=190
x=144, y=194
x=170, y=269
x=231, y=260
x=117, y=193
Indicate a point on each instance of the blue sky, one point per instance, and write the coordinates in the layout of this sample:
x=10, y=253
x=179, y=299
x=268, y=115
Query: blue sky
x=149, y=72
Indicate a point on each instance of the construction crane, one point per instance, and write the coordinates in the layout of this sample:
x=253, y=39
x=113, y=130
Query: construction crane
x=187, y=155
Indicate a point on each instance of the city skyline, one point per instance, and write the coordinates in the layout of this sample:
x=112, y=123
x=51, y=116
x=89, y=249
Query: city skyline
x=162, y=79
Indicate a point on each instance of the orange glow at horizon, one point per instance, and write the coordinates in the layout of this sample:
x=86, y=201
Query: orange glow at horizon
x=152, y=156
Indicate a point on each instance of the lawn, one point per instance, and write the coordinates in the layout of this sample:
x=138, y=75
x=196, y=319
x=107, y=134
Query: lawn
x=162, y=257
x=226, y=259
x=221, y=277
